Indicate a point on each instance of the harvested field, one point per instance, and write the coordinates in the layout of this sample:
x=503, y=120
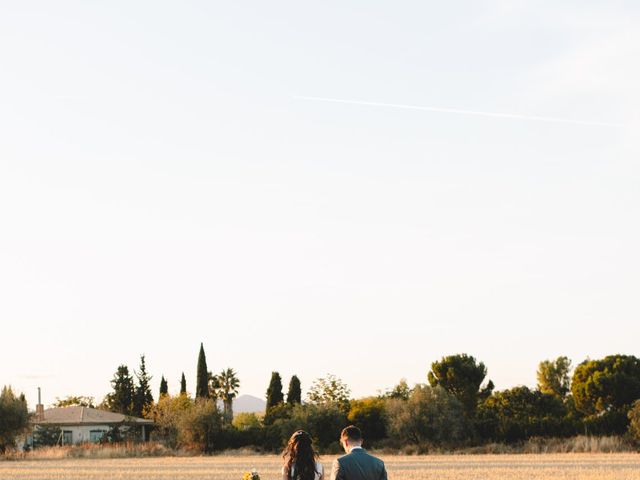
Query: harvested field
x=441, y=467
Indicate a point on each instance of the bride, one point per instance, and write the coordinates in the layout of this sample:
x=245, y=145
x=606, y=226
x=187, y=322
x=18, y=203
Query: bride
x=300, y=459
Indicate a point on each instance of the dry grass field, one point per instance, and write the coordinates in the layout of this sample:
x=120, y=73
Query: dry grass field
x=441, y=467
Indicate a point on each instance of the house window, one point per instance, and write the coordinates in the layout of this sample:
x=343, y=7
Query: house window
x=96, y=435
x=67, y=437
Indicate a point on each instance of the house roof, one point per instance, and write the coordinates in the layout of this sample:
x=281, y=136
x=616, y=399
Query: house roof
x=87, y=416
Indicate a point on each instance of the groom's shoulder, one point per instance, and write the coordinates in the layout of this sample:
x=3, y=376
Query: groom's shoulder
x=374, y=458
x=355, y=455
x=344, y=458
x=375, y=461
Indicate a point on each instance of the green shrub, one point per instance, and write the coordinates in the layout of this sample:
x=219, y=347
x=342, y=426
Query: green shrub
x=369, y=414
x=200, y=426
x=323, y=422
x=246, y=421
x=431, y=416
x=184, y=423
x=634, y=421
x=519, y=413
x=46, y=436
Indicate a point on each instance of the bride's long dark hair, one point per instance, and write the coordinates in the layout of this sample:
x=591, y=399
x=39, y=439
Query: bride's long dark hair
x=299, y=457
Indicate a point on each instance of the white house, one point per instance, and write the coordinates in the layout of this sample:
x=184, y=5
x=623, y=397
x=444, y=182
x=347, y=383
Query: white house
x=84, y=424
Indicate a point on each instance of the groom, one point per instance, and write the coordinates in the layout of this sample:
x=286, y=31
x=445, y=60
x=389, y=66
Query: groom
x=357, y=464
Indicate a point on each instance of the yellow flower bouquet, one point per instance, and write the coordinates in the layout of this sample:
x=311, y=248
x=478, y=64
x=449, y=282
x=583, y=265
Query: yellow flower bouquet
x=252, y=475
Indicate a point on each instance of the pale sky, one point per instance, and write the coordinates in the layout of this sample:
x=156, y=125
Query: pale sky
x=163, y=183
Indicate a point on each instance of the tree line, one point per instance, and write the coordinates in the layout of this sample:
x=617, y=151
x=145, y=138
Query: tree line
x=456, y=407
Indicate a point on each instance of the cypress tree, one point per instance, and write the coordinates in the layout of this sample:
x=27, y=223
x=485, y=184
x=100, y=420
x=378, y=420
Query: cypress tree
x=294, y=395
x=183, y=385
x=274, y=392
x=202, y=375
x=143, y=396
x=164, y=387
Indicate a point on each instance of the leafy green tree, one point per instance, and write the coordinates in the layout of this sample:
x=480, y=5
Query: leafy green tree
x=14, y=418
x=461, y=376
x=183, y=385
x=520, y=413
x=225, y=386
x=246, y=421
x=600, y=386
x=168, y=415
x=120, y=400
x=369, y=414
x=634, y=421
x=182, y=422
x=274, y=391
x=329, y=390
x=164, y=387
x=553, y=377
x=201, y=425
x=294, y=395
x=322, y=421
x=143, y=398
x=430, y=416
x=401, y=391
x=74, y=401
x=202, y=377
x=278, y=413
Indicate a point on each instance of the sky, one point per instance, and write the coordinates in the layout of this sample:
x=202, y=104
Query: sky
x=355, y=188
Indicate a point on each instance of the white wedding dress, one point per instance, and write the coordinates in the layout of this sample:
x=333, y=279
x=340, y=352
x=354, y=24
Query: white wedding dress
x=319, y=470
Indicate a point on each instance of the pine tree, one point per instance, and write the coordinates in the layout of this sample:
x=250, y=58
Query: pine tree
x=121, y=399
x=553, y=377
x=164, y=387
x=274, y=392
x=202, y=376
x=294, y=395
x=183, y=385
x=143, y=397
x=462, y=376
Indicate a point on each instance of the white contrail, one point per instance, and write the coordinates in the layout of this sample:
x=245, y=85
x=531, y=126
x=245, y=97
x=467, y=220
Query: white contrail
x=462, y=112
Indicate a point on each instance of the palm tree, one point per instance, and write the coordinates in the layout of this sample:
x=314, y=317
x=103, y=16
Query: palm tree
x=225, y=386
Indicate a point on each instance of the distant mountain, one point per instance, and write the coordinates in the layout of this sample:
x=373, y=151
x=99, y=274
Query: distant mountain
x=247, y=404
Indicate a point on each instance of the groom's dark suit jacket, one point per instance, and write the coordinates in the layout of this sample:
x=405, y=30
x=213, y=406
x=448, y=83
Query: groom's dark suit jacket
x=358, y=465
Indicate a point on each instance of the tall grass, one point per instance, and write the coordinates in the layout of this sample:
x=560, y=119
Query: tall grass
x=93, y=450
x=578, y=444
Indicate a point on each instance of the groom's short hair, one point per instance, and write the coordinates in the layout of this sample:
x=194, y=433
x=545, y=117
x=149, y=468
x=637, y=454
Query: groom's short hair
x=352, y=433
